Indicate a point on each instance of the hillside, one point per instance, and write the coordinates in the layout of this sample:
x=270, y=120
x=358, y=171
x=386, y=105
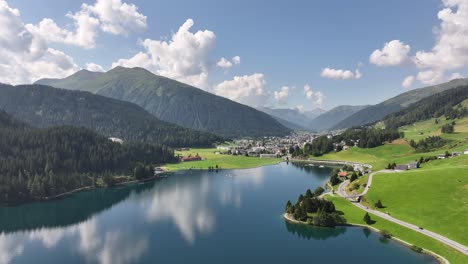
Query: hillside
x=175, y=102
x=332, y=117
x=39, y=162
x=433, y=106
x=395, y=104
x=44, y=106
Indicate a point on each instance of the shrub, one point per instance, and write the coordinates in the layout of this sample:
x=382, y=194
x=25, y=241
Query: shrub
x=416, y=249
x=378, y=204
x=385, y=233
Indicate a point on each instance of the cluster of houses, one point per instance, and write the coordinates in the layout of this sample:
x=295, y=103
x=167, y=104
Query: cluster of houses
x=414, y=165
x=453, y=154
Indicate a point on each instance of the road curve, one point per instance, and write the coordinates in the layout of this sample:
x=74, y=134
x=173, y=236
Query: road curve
x=341, y=191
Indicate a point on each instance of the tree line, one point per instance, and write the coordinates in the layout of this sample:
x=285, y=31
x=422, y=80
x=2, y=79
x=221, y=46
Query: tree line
x=361, y=137
x=38, y=163
x=446, y=104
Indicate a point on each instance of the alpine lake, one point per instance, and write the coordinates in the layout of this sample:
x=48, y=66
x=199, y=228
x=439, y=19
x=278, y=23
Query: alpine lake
x=229, y=216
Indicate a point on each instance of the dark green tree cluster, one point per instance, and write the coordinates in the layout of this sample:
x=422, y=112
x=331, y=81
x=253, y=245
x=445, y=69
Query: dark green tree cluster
x=334, y=179
x=391, y=166
x=38, y=163
x=435, y=106
x=319, y=146
x=428, y=144
x=447, y=129
x=141, y=171
x=323, y=211
x=368, y=137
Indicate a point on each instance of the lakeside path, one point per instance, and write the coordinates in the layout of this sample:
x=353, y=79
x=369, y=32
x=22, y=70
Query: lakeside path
x=455, y=245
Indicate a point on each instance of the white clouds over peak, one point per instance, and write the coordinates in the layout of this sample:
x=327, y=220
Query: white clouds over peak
x=340, y=74
x=317, y=98
x=308, y=92
x=281, y=95
x=185, y=57
x=24, y=56
x=430, y=77
x=393, y=53
x=247, y=89
x=407, y=82
x=94, y=67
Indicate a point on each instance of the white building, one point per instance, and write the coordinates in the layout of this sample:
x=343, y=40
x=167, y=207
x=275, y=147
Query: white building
x=116, y=140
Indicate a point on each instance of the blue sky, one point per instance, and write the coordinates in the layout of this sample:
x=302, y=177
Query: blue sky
x=280, y=44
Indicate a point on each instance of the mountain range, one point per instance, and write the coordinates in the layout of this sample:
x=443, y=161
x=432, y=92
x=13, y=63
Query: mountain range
x=174, y=102
x=377, y=112
x=45, y=106
x=293, y=118
x=334, y=116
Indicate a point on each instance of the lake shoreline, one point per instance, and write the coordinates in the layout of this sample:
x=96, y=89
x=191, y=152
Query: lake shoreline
x=88, y=188
x=438, y=257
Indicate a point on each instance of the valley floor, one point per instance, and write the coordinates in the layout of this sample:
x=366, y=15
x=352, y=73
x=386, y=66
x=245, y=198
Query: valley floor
x=210, y=159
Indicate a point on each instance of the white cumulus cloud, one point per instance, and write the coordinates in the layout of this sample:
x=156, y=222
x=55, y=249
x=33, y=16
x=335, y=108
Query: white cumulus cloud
x=281, y=95
x=94, y=67
x=24, y=56
x=430, y=77
x=111, y=16
x=308, y=92
x=247, y=89
x=407, y=82
x=393, y=53
x=456, y=75
x=224, y=63
x=340, y=74
x=317, y=98
x=451, y=47
x=184, y=57
x=116, y=17
x=236, y=60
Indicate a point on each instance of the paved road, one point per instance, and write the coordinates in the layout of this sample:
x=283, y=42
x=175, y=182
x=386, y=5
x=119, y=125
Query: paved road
x=445, y=240
x=343, y=185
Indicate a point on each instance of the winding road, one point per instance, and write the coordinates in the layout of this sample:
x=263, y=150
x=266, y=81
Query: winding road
x=440, y=238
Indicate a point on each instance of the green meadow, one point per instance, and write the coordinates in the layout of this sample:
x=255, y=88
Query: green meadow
x=211, y=159
x=354, y=215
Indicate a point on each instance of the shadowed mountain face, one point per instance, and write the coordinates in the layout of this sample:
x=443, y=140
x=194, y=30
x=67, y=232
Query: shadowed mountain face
x=330, y=118
x=45, y=106
x=175, y=102
x=376, y=112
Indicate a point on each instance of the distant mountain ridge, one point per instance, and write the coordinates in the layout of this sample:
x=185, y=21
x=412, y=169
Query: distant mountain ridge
x=332, y=117
x=45, y=106
x=175, y=102
x=377, y=112
x=292, y=118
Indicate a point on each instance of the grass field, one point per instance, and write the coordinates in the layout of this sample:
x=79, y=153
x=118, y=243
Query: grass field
x=223, y=161
x=434, y=197
x=427, y=128
x=399, y=151
x=355, y=215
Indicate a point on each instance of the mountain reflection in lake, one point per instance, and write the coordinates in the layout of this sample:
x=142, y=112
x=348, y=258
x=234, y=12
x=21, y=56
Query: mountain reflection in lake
x=194, y=216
